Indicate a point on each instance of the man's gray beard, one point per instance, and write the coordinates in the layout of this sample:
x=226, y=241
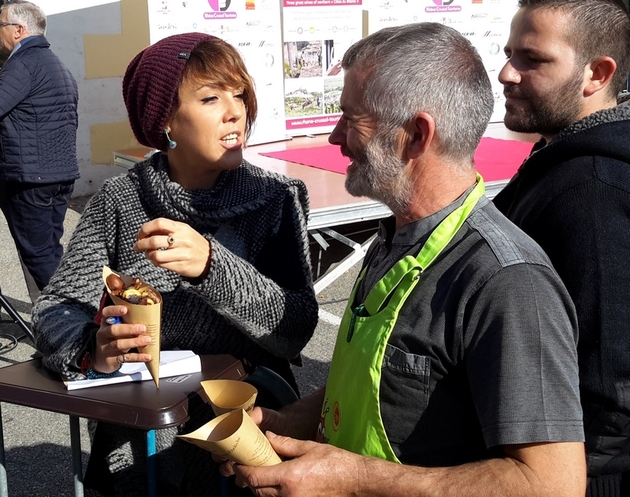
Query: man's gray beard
x=378, y=173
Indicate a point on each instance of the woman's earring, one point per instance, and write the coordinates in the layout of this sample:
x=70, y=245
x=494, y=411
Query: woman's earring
x=171, y=143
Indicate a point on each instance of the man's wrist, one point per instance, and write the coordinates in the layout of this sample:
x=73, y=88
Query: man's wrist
x=302, y=417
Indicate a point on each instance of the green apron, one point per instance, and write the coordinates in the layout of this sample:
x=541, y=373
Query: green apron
x=351, y=415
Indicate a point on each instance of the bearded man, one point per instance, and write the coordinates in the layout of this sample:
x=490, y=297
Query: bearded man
x=455, y=366
x=568, y=61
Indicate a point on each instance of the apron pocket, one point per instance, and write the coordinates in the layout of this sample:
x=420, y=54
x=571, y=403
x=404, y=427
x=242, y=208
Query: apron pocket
x=404, y=382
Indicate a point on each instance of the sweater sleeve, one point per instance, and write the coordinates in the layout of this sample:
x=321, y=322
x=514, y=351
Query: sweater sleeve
x=271, y=300
x=63, y=317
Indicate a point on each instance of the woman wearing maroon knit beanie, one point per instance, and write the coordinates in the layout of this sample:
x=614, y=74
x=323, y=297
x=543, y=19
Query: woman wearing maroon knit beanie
x=224, y=242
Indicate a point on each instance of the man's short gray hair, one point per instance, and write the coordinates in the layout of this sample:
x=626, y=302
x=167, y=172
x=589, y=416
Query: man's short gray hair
x=28, y=15
x=426, y=67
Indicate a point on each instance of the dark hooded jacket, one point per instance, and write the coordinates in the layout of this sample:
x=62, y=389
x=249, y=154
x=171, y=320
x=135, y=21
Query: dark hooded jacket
x=573, y=197
x=38, y=116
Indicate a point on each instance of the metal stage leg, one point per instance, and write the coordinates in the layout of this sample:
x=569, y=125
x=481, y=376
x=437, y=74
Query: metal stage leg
x=77, y=466
x=17, y=319
x=357, y=254
x=4, y=489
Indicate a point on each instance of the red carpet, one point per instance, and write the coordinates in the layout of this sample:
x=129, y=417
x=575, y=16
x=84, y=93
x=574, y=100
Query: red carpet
x=495, y=159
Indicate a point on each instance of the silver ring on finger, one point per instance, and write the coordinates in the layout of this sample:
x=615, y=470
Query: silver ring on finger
x=170, y=240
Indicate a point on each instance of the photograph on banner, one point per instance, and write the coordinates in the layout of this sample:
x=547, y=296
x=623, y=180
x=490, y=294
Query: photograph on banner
x=254, y=28
x=486, y=23
x=316, y=35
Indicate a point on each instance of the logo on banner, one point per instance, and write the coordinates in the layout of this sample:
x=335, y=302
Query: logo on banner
x=220, y=10
x=219, y=5
x=494, y=48
x=443, y=6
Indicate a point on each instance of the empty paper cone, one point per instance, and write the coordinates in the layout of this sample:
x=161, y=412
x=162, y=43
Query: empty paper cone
x=148, y=315
x=229, y=395
x=236, y=437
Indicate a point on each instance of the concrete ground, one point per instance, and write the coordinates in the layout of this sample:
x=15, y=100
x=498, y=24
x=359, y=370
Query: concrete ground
x=37, y=443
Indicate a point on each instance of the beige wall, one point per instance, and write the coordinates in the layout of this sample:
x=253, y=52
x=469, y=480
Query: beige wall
x=107, y=56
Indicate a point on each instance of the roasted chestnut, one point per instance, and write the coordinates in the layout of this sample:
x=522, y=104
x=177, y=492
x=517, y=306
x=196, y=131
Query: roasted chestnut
x=115, y=284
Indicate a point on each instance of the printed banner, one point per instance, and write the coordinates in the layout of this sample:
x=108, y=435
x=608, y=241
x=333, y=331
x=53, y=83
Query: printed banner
x=293, y=50
x=486, y=23
x=316, y=35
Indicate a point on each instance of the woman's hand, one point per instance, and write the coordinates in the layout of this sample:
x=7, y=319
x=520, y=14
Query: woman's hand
x=113, y=342
x=175, y=246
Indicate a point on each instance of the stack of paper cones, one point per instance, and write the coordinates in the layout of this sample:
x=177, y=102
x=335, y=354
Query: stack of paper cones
x=148, y=315
x=232, y=434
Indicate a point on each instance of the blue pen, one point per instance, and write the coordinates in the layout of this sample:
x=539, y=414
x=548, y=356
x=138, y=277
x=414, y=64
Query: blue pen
x=113, y=320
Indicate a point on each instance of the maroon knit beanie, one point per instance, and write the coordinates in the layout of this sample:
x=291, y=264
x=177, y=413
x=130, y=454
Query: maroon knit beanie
x=151, y=83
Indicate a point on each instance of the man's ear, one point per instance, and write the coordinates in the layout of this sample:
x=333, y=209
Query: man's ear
x=598, y=75
x=20, y=32
x=421, y=133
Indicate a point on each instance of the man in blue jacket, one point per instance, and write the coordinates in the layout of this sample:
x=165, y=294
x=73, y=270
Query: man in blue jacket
x=567, y=62
x=38, y=126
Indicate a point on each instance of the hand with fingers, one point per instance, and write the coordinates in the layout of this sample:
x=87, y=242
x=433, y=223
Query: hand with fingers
x=114, y=342
x=310, y=469
x=175, y=246
x=266, y=419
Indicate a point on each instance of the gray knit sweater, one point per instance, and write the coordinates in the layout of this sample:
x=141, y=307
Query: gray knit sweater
x=257, y=301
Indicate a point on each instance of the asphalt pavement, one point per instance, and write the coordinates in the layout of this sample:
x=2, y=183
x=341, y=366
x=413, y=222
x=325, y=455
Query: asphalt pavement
x=37, y=443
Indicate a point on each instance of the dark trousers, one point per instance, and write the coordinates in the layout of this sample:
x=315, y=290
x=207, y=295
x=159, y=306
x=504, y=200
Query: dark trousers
x=35, y=214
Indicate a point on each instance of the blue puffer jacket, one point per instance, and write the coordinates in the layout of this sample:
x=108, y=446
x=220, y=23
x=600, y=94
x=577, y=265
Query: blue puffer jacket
x=38, y=116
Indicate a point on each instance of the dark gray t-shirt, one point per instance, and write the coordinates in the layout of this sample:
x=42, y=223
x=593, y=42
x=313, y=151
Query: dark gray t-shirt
x=484, y=350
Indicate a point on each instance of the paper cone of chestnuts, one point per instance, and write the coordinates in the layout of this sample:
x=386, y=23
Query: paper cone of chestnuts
x=144, y=306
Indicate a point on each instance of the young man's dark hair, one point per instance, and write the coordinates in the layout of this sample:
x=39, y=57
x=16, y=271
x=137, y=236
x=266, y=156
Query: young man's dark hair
x=598, y=28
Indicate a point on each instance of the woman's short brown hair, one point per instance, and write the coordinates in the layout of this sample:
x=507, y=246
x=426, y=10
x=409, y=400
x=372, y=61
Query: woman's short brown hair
x=217, y=63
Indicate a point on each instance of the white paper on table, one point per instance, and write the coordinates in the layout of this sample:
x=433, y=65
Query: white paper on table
x=172, y=363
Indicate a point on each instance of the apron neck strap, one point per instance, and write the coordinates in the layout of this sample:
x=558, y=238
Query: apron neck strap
x=432, y=248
